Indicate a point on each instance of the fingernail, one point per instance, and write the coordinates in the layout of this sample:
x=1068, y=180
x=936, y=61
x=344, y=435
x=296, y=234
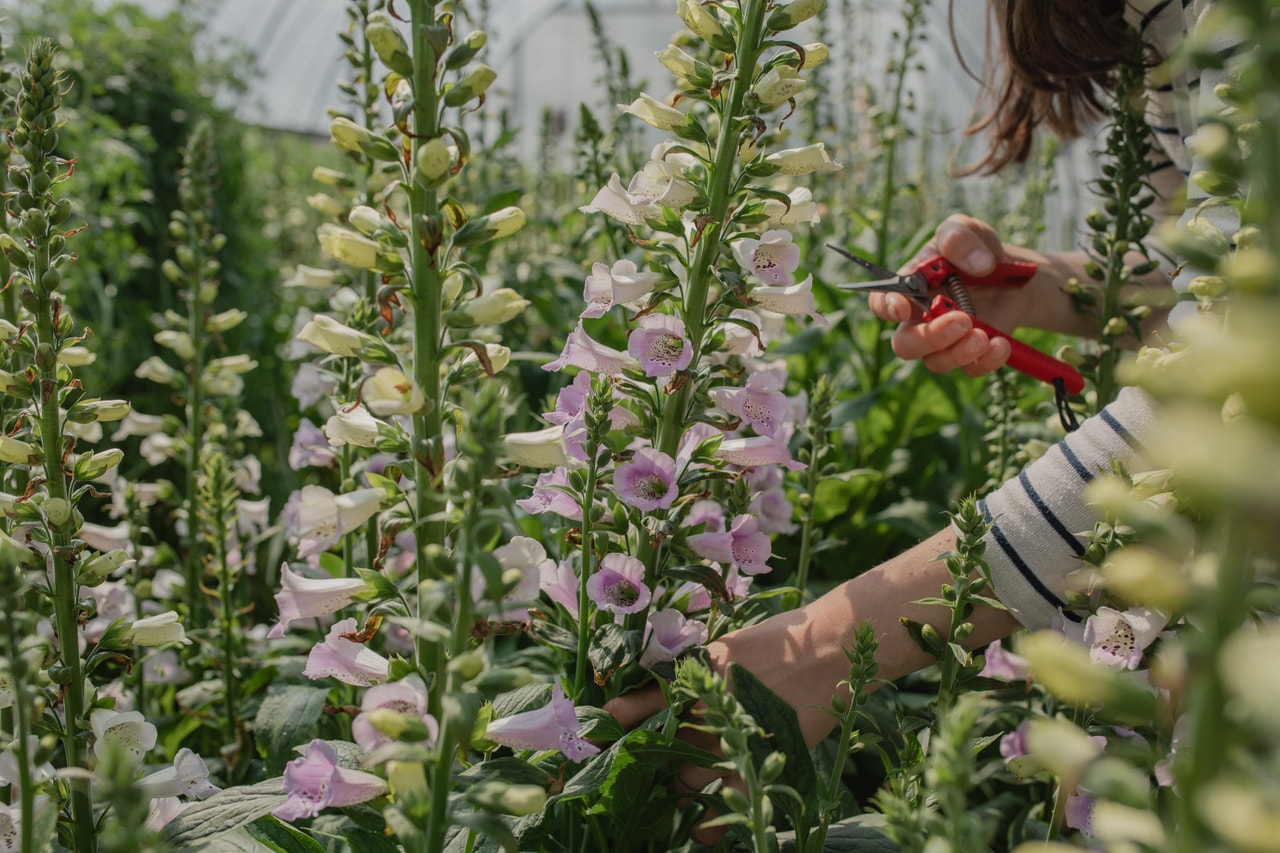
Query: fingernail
x=972, y=347
x=898, y=311
x=956, y=329
x=980, y=260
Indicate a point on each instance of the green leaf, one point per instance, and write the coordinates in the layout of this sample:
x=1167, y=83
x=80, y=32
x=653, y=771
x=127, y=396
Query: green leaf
x=490, y=826
x=340, y=834
x=862, y=833
x=236, y=841
x=226, y=810
x=613, y=647
x=855, y=408
x=778, y=719
x=513, y=771
x=289, y=716
x=282, y=837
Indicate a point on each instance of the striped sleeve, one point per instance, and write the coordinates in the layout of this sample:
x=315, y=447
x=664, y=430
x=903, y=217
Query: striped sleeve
x=1039, y=520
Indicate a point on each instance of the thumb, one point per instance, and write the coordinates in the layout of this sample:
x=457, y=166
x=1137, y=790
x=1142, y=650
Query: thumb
x=970, y=244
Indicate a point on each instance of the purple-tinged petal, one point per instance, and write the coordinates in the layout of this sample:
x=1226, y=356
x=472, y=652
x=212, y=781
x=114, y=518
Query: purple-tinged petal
x=1004, y=665
x=618, y=586
x=667, y=634
x=553, y=726
x=547, y=497
x=1118, y=639
x=660, y=344
x=648, y=481
x=581, y=351
x=348, y=661
x=305, y=598
x=773, y=258
x=560, y=584
x=751, y=548
x=759, y=450
x=716, y=547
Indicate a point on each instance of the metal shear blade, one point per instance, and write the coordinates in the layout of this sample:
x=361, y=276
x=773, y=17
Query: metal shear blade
x=889, y=281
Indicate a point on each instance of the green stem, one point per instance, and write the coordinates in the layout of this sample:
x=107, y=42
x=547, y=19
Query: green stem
x=195, y=426
x=228, y=631
x=588, y=552
x=21, y=723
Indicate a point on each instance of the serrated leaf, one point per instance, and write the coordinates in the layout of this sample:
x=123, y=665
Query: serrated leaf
x=613, y=647
x=778, y=719
x=226, y=810
x=862, y=833
x=282, y=837
x=289, y=716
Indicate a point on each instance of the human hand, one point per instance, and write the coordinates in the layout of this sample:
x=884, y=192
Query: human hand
x=950, y=341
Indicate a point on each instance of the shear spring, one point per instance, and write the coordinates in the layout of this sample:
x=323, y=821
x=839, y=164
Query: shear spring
x=959, y=294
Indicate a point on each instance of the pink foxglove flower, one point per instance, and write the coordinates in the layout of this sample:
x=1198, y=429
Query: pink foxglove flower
x=305, y=598
x=774, y=511
x=739, y=340
x=618, y=586
x=1078, y=813
x=758, y=403
x=581, y=351
x=1014, y=744
x=614, y=201
x=553, y=726
x=1004, y=665
x=311, y=385
x=1118, y=639
x=759, y=450
x=527, y=556
x=129, y=730
x=346, y=660
x=310, y=447
x=316, y=518
x=187, y=777
x=407, y=696
x=667, y=634
x=742, y=545
x=648, y=481
x=796, y=299
x=560, y=583
x=548, y=496
x=315, y=782
x=621, y=284
x=773, y=258
x=660, y=344
x=571, y=405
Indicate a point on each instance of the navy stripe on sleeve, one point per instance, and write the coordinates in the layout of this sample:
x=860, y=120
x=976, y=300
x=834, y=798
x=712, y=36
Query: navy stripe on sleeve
x=1118, y=428
x=1025, y=570
x=1150, y=16
x=1052, y=520
x=1074, y=461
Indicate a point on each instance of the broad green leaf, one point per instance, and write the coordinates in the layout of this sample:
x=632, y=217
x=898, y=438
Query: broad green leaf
x=862, y=833
x=282, y=837
x=613, y=647
x=224, y=811
x=236, y=841
x=778, y=719
x=513, y=771
x=338, y=833
x=289, y=716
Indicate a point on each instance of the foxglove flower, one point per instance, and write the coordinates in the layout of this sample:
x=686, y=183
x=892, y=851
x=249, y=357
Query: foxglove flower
x=1118, y=639
x=351, y=247
x=773, y=258
x=352, y=425
x=543, y=448
x=316, y=518
x=1078, y=813
x=667, y=634
x=187, y=777
x=796, y=299
x=136, y=423
x=660, y=345
x=553, y=726
x=129, y=730
x=527, y=556
x=406, y=696
x=581, y=351
x=548, y=497
x=390, y=392
x=661, y=183
x=618, y=586
x=742, y=545
x=803, y=161
x=758, y=403
x=1004, y=665
x=654, y=113
x=802, y=209
x=104, y=538
x=311, y=277
x=493, y=308
x=311, y=385
x=315, y=782
x=620, y=284
x=560, y=584
x=571, y=404
x=773, y=509
x=310, y=448
x=306, y=598
x=346, y=660
x=648, y=481
x=777, y=85
x=759, y=450
x=161, y=629
x=11, y=771
x=334, y=337
x=615, y=201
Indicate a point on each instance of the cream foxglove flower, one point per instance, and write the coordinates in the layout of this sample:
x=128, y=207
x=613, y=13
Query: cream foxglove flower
x=129, y=730
x=316, y=518
x=311, y=277
x=494, y=308
x=179, y=342
x=349, y=247
x=654, y=112
x=352, y=425
x=18, y=452
x=802, y=209
x=796, y=299
x=659, y=182
x=814, y=55
x=390, y=392
x=544, y=448
x=778, y=85
x=612, y=200
x=704, y=21
x=157, y=370
x=76, y=356
x=333, y=336
x=161, y=629
x=803, y=161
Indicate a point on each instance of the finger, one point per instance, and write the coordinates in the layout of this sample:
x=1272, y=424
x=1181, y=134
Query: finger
x=922, y=340
x=996, y=356
x=968, y=243
x=965, y=352
x=893, y=307
x=637, y=706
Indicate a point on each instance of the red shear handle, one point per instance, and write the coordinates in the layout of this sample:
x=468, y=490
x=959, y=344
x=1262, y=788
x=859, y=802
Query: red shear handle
x=1023, y=358
x=1005, y=274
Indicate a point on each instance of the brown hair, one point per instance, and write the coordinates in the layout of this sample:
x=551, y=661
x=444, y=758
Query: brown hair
x=1056, y=58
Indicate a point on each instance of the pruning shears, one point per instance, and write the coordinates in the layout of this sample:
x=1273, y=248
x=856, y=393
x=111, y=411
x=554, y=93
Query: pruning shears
x=938, y=273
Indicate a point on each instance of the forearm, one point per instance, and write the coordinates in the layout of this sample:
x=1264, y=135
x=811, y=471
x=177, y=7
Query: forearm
x=801, y=654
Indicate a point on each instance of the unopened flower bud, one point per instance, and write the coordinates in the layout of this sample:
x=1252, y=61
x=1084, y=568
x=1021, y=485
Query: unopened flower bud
x=98, y=410
x=705, y=23
x=390, y=392
x=179, y=342
x=382, y=33
x=19, y=452
x=465, y=50
x=353, y=138
x=451, y=287
x=654, y=112
x=91, y=466
x=793, y=14
x=75, y=356
x=544, y=448
x=1115, y=327
x=814, y=55
x=434, y=162
x=682, y=64
x=104, y=565
x=365, y=219
x=470, y=368
x=494, y=226
x=332, y=336
x=397, y=725
x=467, y=665
x=326, y=204
x=470, y=87
x=332, y=177
x=493, y=308
x=225, y=321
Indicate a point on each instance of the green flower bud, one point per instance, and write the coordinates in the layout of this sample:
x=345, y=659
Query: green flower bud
x=382, y=33
x=365, y=219
x=1215, y=183
x=101, y=566
x=332, y=177
x=472, y=86
x=793, y=14
x=19, y=452
x=1115, y=327
x=225, y=321
x=354, y=139
x=736, y=800
x=434, y=162
x=91, y=466
x=772, y=767
x=494, y=226
x=465, y=50
x=326, y=204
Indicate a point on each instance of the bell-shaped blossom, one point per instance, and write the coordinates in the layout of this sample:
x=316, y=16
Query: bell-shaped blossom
x=105, y=538
x=773, y=258
x=525, y=555
x=494, y=308
x=759, y=450
x=742, y=544
x=346, y=660
x=661, y=183
x=667, y=633
x=11, y=771
x=136, y=423
x=774, y=511
x=114, y=600
x=803, y=161
x=128, y=730
x=571, y=404
x=10, y=828
x=406, y=696
x=316, y=518
x=758, y=403
x=560, y=583
x=390, y=392
x=660, y=344
x=162, y=629
x=802, y=210
x=777, y=85
x=618, y=585
x=335, y=337
x=654, y=112
x=187, y=777
x=581, y=351
x=314, y=278
x=302, y=597
x=1004, y=665
x=704, y=21
x=157, y=370
x=310, y=447
x=352, y=247
x=647, y=481
x=315, y=782
x=553, y=726
x=621, y=284
x=615, y=201
x=543, y=448
x=179, y=342
x=353, y=425
x=795, y=300
x=311, y=385
x=548, y=496
x=1078, y=812
x=1118, y=639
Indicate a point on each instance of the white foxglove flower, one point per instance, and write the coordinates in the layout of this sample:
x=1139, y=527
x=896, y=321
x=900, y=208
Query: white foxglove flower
x=317, y=518
x=161, y=629
x=157, y=370
x=352, y=425
x=326, y=204
x=19, y=452
x=544, y=448
x=390, y=392
x=654, y=113
x=704, y=21
x=803, y=161
x=366, y=219
x=311, y=277
x=494, y=308
x=76, y=356
x=814, y=55
x=333, y=336
x=658, y=181
x=613, y=200
x=802, y=209
x=350, y=247
x=179, y=342
x=796, y=299
x=187, y=777
x=231, y=364
x=778, y=85
x=129, y=730
x=622, y=284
